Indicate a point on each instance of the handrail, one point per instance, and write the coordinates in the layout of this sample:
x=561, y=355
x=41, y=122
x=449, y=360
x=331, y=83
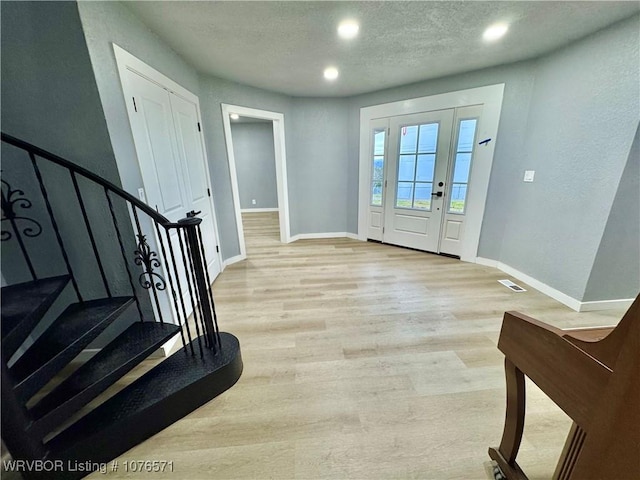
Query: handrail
x=192, y=285
x=158, y=217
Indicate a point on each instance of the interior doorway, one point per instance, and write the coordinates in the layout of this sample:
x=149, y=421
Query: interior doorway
x=260, y=200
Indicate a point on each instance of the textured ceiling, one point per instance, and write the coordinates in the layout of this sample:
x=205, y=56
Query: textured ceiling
x=285, y=46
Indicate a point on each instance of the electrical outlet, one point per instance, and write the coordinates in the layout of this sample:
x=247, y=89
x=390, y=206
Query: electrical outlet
x=528, y=175
x=141, y=194
x=253, y=202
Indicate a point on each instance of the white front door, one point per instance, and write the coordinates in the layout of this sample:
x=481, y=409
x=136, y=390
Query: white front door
x=415, y=176
x=421, y=168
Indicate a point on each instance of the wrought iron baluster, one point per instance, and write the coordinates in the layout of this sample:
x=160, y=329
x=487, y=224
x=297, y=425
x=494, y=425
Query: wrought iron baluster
x=186, y=271
x=209, y=287
x=8, y=213
x=123, y=252
x=96, y=254
x=175, y=270
x=196, y=288
x=173, y=290
x=56, y=230
x=148, y=259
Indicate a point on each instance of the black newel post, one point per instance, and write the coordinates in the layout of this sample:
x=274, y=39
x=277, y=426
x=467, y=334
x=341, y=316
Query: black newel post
x=198, y=264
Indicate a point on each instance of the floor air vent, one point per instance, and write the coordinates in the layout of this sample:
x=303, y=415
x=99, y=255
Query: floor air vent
x=512, y=286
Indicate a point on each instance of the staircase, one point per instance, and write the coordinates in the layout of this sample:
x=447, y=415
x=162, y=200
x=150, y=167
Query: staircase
x=172, y=297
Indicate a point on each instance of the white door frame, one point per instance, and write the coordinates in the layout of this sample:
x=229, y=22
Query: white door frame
x=281, y=168
x=125, y=61
x=491, y=99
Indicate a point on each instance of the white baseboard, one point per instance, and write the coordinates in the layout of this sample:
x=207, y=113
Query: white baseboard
x=549, y=291
x=487, y=262
x=232, y=260
x=313, y=236
x=605, y=305
x=258, y=210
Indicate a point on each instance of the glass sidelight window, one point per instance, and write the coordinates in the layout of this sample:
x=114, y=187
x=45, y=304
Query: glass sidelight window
x=377, y=177
x=462, y=165
x=416, y=166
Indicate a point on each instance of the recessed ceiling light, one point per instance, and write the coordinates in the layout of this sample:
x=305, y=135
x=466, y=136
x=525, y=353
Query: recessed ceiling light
x=348, y=29
x=494, y=32
x=331, y=73
x=234, y=116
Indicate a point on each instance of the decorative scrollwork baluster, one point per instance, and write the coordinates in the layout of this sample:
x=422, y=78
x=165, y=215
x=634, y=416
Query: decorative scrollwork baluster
x=148, y=259
x=12, y=198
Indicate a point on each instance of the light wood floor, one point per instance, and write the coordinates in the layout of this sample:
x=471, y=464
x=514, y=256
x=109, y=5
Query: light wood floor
x=362, y=361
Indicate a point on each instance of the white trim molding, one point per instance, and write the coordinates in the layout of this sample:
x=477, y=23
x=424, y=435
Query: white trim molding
x=314, y=236
x=490, y=97
x=554, y=293
x=232, y=260
x=258, y=210
x=281, y=167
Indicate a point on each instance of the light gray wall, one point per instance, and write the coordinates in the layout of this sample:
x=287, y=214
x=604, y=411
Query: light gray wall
x=254, y=153
x=582, y=120
x=319, y=166
x=50, y=99
x=616, y=270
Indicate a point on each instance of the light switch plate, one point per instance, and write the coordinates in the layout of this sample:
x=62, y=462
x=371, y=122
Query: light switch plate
x=528, y=175
x=141, y=194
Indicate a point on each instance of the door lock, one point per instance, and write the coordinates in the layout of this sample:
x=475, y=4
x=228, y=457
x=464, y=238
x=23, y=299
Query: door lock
x=193, y=213
x=437, y=194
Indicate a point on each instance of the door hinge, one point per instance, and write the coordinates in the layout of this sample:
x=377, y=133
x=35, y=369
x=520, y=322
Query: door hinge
x=217, y=249
x=199, y=127
x=134, y=104
x=382, y=229
x=208, y=192
x=385, y=184
x=389, y=131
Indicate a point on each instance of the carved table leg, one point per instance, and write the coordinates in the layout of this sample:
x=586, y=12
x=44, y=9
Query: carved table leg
x=505, y=455
x=569, y=455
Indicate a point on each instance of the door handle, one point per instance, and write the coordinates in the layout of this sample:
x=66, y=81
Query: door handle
x=193, y=213
x=436, y=194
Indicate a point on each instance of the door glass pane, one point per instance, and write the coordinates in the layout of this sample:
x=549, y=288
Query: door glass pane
x=466, y=135
x=426, y=168
x=404, y=197
x=416, y=165
x=462, y=165
x=377, y=171
x=406, y=168
x=408, y=139
x=423, y=196
x=428, y=138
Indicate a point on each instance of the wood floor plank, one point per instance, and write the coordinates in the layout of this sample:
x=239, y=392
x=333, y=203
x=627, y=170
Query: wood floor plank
x=362, y=361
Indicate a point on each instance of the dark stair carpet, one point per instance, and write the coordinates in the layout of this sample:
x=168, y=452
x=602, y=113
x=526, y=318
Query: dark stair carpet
x=23, y=305
x=78, y=325
x=168, y=392
x=126, y=351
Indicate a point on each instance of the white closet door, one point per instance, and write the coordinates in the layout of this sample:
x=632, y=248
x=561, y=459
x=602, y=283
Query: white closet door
x=194, y=171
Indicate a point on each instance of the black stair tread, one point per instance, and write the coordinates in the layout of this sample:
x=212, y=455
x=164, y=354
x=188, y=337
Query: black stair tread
x=165, y=382
x=78, y=325
x=24, y=304
x=132, y=346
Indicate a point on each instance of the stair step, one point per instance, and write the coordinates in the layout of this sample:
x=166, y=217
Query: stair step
x=126, y=351
x=166, y=393
x=78, y=326
x=23, y=305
